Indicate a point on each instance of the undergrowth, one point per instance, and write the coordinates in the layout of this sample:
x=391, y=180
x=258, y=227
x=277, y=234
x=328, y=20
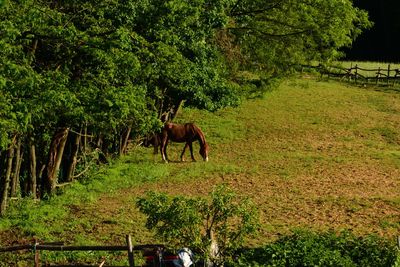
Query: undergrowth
x=305, y=248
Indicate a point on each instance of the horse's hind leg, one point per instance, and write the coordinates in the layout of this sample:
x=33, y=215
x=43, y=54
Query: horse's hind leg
x=183, y=152
x=164, y=153
x=191, y=151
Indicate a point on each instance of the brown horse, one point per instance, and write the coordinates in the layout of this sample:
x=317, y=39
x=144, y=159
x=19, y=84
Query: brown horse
x=183, y=133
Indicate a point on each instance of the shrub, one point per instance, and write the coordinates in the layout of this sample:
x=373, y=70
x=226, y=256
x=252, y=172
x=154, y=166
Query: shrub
x=202, y=224
x=304, y=248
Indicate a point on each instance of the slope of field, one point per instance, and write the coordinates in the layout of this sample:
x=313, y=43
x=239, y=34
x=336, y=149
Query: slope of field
x=314, y=155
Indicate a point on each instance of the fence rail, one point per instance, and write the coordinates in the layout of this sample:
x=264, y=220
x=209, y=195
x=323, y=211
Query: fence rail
x=59, y=246
x=379, y=76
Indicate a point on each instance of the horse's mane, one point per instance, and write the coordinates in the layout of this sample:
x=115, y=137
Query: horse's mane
x=202, y=138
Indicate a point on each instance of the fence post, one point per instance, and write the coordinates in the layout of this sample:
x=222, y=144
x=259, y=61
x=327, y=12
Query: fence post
x=349, y=72
x=378, y=75
x=130, y=251
x=36, y=251
x=356, y=74
x=388, y=74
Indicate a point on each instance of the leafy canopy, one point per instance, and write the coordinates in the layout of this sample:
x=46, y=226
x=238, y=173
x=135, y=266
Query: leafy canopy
x=279, y=34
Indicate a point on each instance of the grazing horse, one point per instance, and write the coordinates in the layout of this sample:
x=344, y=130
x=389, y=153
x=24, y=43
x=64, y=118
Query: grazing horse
x=183, y=133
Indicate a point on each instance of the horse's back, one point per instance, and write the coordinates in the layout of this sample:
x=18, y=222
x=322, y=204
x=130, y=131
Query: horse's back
x=180, y=132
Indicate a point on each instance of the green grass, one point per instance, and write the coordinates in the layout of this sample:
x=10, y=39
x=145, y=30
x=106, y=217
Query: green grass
x=312, y=155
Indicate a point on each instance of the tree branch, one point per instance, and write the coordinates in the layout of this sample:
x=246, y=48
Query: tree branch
x=267, y=34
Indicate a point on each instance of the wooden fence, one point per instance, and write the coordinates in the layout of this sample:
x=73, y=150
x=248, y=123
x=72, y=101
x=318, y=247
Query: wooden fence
x=58, y=246
x=378, y=76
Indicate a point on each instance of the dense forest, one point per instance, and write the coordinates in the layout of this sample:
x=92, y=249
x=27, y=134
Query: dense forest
x=79, y=79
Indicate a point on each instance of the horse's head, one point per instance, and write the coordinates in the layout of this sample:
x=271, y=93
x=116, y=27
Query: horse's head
x=204, y=151
x=151, y=140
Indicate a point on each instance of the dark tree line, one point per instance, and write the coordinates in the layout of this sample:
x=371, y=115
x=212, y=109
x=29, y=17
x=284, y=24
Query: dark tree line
x=381, y=42
x=78, y=79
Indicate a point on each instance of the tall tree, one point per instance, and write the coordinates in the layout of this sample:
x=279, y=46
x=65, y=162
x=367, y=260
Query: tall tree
x=278, y=34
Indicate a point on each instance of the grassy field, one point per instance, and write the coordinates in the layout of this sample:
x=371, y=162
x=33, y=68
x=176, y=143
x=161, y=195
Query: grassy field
x=311, y=155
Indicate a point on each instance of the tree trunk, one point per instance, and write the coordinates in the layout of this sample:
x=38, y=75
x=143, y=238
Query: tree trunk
x=53, y=160
x=176, y=109
x=124, y=141
x=17, y=168
x=85, y=140
x=5, y=183
x=73, y=158
x=99, y=142
x=32, y=162
x=213, y=250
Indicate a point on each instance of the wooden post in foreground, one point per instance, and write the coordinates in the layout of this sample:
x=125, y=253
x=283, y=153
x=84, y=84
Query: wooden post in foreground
x=130, y=251
x=37, y=257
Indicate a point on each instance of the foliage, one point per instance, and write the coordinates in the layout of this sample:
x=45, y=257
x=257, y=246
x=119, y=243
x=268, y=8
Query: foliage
x=195, y=222
x=114, y=70
x=280, y=34
x=106, y=70
x=304, y=248
x=183, y=63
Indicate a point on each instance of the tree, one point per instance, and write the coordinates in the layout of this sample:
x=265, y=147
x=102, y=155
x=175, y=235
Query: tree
x=279, y=34
x=215, y=227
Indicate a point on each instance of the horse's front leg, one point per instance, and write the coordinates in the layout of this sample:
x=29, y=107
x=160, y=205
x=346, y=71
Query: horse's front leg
x=183, y=152
x=191, y=151
x=155, y=152
x=156, y=143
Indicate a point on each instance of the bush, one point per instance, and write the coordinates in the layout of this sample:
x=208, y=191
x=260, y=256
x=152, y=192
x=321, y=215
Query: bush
x=213, y=227
x=327, y=249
